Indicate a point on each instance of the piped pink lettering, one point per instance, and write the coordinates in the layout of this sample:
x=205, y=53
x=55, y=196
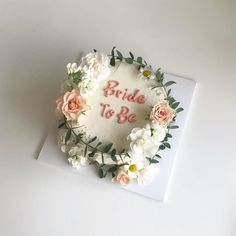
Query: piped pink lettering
x=110, y=89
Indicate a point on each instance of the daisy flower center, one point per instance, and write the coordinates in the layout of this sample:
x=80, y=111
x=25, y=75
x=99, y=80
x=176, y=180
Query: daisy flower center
x=133, y=168
x=147, y=73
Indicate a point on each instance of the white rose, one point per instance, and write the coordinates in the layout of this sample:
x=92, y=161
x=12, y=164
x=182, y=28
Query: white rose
x=96, y=66
x=146, y=141
x=158, y=131
x=142, y=142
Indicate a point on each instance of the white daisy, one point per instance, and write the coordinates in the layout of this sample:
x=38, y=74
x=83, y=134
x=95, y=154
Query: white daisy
x=133, y=168
x=146, y=73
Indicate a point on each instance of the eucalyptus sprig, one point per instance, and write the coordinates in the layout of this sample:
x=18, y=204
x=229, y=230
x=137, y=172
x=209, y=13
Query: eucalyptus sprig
x=116, y=55
x=90, y=148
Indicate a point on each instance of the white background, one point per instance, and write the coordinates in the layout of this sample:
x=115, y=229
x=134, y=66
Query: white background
x=196, y=39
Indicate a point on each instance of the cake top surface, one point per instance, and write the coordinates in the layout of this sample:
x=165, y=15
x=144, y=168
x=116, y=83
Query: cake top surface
x=121, y=102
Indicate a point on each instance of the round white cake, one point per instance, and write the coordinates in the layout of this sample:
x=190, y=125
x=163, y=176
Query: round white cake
x=116, y=112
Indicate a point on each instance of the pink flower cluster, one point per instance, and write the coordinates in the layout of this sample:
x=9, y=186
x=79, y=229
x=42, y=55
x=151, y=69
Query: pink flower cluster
x=71, y=105
x=162, y=113
x=122, y=177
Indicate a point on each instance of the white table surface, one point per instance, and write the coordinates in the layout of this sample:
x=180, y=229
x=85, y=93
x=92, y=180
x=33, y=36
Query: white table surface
x=196, y=39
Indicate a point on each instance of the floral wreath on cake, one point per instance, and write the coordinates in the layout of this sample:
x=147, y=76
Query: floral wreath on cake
x=138, y=163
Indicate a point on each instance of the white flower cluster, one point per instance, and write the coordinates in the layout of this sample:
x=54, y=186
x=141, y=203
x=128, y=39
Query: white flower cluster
x=144, y=143
x=72, y=68
x=75, y=152
x=77, y=159
x=94, y=67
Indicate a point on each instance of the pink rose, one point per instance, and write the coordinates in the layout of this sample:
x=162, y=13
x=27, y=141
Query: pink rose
x=162, y=113
x=122, y=177
x=71, y=104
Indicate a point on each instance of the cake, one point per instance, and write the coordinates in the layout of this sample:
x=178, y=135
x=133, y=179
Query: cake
x=116, y=112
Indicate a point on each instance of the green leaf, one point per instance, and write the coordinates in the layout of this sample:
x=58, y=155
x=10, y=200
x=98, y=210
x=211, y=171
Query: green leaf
x=179, y=109
x=167, y=145
x=100, y=173
x=78, y=138
x=113, y=155
x=162, y=147
x=94, y=50
x=158, y=73
x=168, y=93
x=129, y=60
x=173, y=127
x=99, y=144
x=120, y=56
x=93, y=139
x=112, y=51
x=158, y=86
x=113, y=174
x=161, y=78
x=108, y=147
x=131, y=55
x=61, y=125
x=85, y=151
x=153, y=161
x=175, y=105
x=171, y=100
x=158, y=156
x=91, y=154
x=68, y=135
x=113, y=152
x=114, y=158
x=140, y=60
x=112, y=61
x=168, y=135
x=145, y=62
x=169, y=83
x=128, y=155
x=122, y=151
x=112, y=169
